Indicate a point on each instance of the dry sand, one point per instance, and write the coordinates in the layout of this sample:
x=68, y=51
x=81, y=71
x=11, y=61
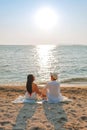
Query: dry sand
x=62, y=116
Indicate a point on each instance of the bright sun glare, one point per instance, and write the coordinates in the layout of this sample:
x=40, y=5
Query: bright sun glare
x=44, y=52
x=45, y=18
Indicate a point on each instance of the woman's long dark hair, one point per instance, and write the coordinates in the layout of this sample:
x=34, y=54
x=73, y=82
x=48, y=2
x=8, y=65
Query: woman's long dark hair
x=30, y=79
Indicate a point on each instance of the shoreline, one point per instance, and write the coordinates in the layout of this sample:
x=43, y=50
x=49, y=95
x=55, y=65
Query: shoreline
x=42, y=85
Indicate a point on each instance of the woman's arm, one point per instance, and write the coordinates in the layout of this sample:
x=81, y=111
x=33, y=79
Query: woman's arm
x=41, y=93
x=44, y=91
x=36, y=89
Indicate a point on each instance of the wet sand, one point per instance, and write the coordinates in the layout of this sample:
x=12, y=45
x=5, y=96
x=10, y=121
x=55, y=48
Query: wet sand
x=61, y=116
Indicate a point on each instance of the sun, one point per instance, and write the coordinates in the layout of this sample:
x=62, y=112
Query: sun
x=45, y=18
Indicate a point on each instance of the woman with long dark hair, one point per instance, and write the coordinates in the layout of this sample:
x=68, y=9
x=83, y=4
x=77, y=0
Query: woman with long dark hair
x=31, y=92
x=31, y=87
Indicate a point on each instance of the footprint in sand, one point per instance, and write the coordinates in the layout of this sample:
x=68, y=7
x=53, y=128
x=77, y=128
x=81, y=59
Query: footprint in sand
x=84, y=118
x=4, y=122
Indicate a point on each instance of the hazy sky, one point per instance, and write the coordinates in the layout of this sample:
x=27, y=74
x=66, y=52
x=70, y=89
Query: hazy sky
x=18, y=22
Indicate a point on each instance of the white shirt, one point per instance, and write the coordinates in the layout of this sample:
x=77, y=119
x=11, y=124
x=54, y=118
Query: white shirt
x=53, y=91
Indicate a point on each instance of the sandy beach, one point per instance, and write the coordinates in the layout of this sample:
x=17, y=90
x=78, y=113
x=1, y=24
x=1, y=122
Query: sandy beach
x=61, y=116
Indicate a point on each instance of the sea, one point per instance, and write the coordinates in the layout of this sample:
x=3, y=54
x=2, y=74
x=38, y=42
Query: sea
x=17, y=61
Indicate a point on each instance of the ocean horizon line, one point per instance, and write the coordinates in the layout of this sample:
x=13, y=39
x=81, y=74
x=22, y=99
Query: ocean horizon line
x=34, y=44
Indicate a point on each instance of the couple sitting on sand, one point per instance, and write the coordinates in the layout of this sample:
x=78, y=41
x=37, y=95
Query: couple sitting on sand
x=52, y=89
x=51, y=93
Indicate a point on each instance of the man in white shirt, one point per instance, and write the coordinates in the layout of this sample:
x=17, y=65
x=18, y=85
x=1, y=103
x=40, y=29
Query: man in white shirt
x=53, y=89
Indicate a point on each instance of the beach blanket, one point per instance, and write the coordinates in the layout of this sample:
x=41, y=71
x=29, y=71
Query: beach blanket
x=59, y=99
x=22, y=99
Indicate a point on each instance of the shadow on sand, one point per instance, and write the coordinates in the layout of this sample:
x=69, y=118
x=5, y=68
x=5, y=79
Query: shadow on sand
x=26, y=112
x=41, y=117
x=55, y=115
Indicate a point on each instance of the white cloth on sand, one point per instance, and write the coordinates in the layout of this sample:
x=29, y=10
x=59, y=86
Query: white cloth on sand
x=58, y=99
x=27, y=98
x=32, y=99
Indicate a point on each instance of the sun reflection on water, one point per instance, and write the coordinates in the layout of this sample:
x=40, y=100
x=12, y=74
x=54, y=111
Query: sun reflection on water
x=45, y=57
x=44, y=53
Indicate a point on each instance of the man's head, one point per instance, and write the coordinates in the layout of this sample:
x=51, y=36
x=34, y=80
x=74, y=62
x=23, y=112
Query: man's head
x=54, y=76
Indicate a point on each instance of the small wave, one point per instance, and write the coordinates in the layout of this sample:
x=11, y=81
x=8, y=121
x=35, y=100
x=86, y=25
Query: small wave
x=4, y=66
x=13, y=84
x=75, y=80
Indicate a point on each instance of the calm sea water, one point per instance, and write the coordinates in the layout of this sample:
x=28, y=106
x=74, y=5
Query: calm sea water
x=16, y=62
